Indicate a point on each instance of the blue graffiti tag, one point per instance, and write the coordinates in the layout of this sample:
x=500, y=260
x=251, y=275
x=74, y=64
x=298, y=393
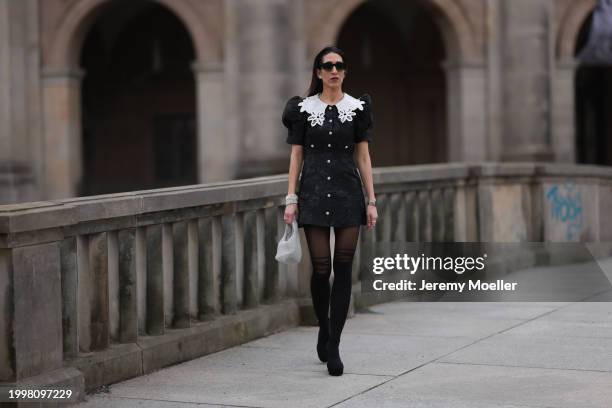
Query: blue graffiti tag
x=566, y=207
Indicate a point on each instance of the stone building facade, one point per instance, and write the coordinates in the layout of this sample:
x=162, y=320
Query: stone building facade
x=103, y=96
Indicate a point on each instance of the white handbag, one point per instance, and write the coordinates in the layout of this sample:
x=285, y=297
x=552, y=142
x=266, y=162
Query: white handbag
x=289, y=250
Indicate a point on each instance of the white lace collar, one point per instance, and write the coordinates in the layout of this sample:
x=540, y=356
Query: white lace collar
x=316, y=108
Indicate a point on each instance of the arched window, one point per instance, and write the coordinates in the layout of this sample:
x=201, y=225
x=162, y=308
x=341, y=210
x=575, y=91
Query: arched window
x=396, y=52
x=138, y=100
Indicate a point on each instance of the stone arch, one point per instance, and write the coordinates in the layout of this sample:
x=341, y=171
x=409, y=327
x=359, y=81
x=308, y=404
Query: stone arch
x=465, y=72
x=464, y=69
x=458, y=34
x=73, y=28
x=569, y=27
x=61, y=83
x=591, y=89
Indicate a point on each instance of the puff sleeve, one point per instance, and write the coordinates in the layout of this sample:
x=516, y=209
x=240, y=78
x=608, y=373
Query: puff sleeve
x=294, y=121
x=364, y=121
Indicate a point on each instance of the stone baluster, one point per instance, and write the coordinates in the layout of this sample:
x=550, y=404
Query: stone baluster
x=208, y=285
x=155, y=281
x=251, y=280
x=465, y=226
x=261, y=252
x=228, y=265
x=273, y=235
x=449, y=216
x=140, y=245
x=413, y=216
x=84, y=290
x=367, y=250
x=192, y=266
x=70, y=305
x=167, y=251
x=383, y=225
x=128, y=292
x=280, y=280
x=239, y=252
x=398, y=217
x=181, y=275
x=113, y=285
x=425, y=227
x=437, y=221
x=98, y=264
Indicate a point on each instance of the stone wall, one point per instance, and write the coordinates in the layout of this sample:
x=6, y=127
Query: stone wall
x=100, y=289
x=508, y=98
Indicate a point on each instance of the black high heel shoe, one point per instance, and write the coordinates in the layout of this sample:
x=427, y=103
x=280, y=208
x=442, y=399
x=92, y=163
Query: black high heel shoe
x=334, y=363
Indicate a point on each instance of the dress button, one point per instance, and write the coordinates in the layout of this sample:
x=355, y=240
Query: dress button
x=311, y=145
x=329, y=145
x=329, y=161
x=330, y=132
x=330, y=121
x=328, y=177
x=326, y=212
x=346, y=147
x=330, y=108
x=329, y=195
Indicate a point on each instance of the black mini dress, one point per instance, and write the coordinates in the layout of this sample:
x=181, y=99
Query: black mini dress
x=330, y=190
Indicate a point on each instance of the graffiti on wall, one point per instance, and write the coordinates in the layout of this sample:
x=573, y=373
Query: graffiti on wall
x=566, y=206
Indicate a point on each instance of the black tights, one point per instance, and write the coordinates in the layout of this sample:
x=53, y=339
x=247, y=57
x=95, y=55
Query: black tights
x=340, y=295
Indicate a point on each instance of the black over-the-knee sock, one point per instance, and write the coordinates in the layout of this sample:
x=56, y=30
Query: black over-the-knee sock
x=346, y=242
x=320, y=291
x=320, y=255
x=341, y=292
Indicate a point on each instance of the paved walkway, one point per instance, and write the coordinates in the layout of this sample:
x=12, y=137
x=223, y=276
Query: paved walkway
x=401, y=354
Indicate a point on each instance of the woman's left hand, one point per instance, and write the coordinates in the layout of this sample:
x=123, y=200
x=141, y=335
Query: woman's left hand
x=372, y=216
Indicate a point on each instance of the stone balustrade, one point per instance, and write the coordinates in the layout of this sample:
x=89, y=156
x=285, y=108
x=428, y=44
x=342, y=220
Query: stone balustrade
x=95, y=290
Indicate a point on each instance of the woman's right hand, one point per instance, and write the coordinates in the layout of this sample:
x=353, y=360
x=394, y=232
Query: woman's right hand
x=291, y=211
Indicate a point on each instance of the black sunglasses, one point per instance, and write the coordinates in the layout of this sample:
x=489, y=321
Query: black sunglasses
x=328, y=66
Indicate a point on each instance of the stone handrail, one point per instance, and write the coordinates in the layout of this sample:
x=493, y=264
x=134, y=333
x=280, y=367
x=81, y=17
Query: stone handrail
x=99, y=289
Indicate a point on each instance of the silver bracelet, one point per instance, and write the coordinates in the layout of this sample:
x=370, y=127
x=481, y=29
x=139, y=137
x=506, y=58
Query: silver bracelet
x=291, y=199
x=372, y=201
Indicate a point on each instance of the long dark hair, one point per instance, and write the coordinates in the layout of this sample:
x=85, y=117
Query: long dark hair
x=316, y=85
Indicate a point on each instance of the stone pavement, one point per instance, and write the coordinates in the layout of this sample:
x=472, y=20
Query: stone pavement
x=404, y=354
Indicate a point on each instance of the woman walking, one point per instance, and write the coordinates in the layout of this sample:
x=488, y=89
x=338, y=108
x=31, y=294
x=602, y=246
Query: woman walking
x=329, y=131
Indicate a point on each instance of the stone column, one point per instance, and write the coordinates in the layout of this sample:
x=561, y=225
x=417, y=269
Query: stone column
x=466, y=106
x=494, y=79
x=216, y=157
x=62, y=130
x=5, y=80
x=526, y=69
x=268, y=51
x=563, y=123
x=19, y=101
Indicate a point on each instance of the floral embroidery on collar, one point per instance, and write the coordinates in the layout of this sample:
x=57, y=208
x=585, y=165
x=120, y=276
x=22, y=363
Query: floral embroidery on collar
x=316, y=108
x=316, y=118
x=345, y=115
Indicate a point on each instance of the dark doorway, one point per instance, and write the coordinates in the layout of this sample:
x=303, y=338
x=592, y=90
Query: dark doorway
x=138, y=101
x=593, y=96
x=395, y=52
